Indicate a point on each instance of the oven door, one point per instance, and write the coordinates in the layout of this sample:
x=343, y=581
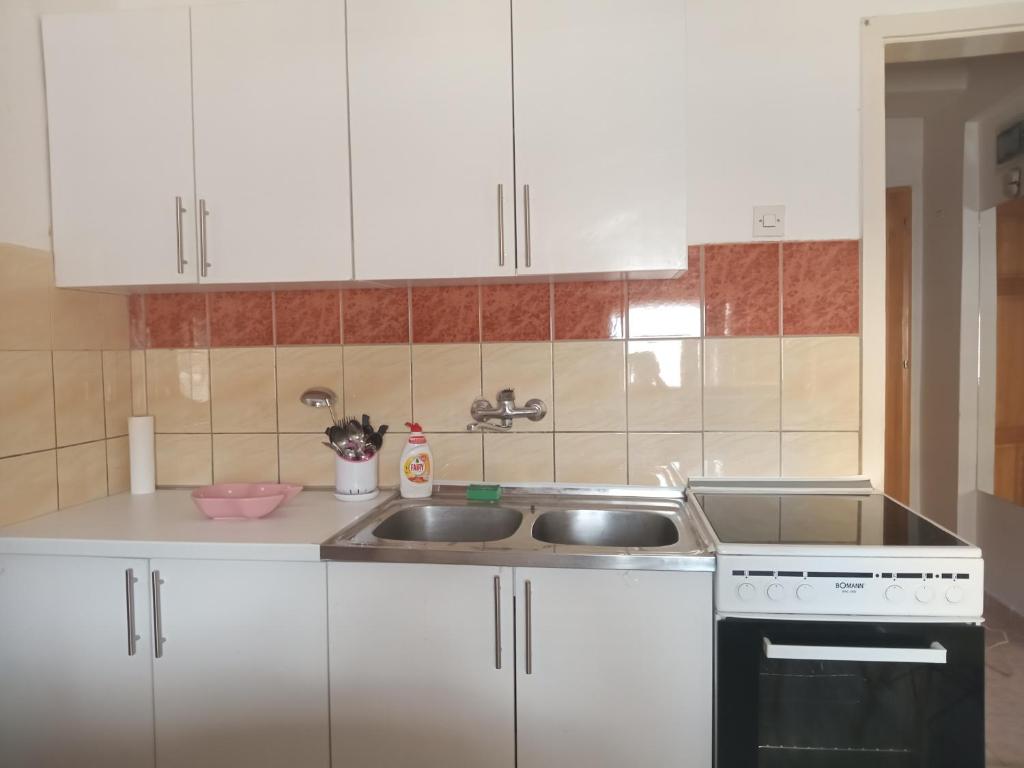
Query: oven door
x=849, y=695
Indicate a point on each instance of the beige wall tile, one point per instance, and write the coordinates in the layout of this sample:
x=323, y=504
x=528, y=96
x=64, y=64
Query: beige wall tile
x=665, y=459
x=26, y=291
x=28, y=486
x=378, y=382
x=820, y=454
x=519, y=458
x=390, y=456
x=117, y=391
x=81, y=473
x=245, y=458
x=445, y=382
x=741, y=454
x=78, y=389
x=821, y=383
x=178, y=389
x=299, y=369
x=591, y=457
x=527, y=368
x=26, y=396
x=664, y=384
x=243, y=390
x=457, y=457
x=590, y=385
x=88, y=320
x=741, y=384
x=118, y=466
x=304, y=460
x=138, y=362
x=183, y=460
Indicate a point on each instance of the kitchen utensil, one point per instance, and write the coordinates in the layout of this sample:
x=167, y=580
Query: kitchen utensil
x=242, y=501
x=320, y=397
x=355, y=480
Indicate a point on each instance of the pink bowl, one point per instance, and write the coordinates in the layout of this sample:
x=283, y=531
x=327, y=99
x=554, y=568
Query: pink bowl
x=241, y=501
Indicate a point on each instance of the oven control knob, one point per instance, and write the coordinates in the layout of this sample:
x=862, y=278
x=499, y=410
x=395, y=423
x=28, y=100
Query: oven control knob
x=746, y=591
x=776, y=591
x=924, y=594
x=954, y=594
x=894, y=594
x=805, y=592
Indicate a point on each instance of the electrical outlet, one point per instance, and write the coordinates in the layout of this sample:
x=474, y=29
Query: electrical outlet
x=769, y=220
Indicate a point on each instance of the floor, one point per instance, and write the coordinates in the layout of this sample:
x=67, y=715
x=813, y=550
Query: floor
x=1004, y=686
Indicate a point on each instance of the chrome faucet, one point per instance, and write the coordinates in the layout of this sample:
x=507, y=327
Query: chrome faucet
x=482, y=412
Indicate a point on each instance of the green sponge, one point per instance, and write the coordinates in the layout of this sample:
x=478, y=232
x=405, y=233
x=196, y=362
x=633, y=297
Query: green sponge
x=483, y=492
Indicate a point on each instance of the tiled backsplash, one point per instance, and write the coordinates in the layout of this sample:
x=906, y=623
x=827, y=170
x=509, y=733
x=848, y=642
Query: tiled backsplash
x=748, y=364
x=65, y=389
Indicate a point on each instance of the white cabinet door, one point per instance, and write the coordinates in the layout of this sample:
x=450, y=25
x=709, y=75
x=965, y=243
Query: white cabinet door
x=271, y=140
x=72, y=692
x=242, y=678
x=599, y=122
x=615, y=670
x=431, y=101
x=119, y=104
x=417, y=680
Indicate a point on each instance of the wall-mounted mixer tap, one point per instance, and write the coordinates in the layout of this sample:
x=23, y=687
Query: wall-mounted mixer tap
x=506, y=409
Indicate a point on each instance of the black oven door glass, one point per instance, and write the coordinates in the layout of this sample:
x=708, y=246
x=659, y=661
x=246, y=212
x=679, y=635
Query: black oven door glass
x=849, y=695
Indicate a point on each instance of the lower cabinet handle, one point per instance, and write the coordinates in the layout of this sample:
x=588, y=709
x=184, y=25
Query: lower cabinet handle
x=129, y=597
x=529, y=628
x=158, y=621
x=497, y=622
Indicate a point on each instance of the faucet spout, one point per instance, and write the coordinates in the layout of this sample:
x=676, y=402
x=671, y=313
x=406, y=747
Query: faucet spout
x=504, y=412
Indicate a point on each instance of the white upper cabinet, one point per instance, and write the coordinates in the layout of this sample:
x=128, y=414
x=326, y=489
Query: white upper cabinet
x=599, y=123
x=271, y=141
x=119, y=95
x=431, y=102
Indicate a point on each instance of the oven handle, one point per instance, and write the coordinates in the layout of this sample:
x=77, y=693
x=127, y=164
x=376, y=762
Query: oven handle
x=935, y=654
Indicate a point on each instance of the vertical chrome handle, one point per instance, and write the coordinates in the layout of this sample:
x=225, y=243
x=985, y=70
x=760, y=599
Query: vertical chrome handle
x=526, y=222
x=178, y=211
x=129, y=598
x=501, y=225
x=204, y=265
x=529, y=628
x=497, y=622
x=158, y=621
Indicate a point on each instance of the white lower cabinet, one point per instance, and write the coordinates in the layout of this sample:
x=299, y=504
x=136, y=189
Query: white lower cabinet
x=241, y=678
x=72, y=691
x=417, y=679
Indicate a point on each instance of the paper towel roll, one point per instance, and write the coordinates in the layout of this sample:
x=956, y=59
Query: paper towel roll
x=141, y=454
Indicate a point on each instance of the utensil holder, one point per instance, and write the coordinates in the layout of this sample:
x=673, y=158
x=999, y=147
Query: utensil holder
x=355, y=480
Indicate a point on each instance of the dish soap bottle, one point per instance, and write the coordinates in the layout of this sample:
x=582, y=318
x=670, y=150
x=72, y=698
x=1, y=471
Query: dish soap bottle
x=416, y=467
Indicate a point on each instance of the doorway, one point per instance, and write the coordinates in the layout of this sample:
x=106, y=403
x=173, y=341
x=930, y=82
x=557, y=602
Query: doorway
x=898, y=260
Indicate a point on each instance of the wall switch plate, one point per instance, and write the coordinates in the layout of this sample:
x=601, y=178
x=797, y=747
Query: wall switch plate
x=769, y=220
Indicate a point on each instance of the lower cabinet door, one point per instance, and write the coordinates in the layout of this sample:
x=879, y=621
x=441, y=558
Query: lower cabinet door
x=614, y=668
x=74, y=689
x=240, y=680
x=421, y=666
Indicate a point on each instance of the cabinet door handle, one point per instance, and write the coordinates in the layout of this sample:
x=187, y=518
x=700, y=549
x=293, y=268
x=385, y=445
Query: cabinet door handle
x=497, y=622
x=129, y=598
x=501, y=225
x=179, y=209
x=204, y=264
x=529, y=627
x=158, y=621
x=526, y=223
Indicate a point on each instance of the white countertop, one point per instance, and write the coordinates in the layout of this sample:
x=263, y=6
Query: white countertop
x=168, y=524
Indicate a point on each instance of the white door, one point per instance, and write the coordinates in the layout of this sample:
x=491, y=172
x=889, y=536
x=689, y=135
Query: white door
x=421, y=666
x=73, y=690
x=271, y=141
x=119, y=107
x=241, y=679
x=613, y=668
x=599, y=122
x=431, y=101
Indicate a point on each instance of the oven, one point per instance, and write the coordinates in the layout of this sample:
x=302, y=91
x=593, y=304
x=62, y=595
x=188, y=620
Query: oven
x=849, y=694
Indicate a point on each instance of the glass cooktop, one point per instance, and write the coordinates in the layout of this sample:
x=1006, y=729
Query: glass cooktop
x=872, y=520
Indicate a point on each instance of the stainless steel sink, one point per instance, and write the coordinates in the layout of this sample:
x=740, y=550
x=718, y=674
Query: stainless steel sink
x=449, y=523
x=605, y=528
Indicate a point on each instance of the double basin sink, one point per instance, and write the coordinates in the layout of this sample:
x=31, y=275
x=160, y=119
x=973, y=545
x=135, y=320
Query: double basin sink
x=532, y=527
